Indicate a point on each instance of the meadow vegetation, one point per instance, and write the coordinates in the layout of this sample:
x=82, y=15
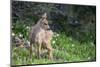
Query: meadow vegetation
x=74, y=30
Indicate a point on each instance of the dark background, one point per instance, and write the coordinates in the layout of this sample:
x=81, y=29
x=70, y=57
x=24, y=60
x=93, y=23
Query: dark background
x=78, y=22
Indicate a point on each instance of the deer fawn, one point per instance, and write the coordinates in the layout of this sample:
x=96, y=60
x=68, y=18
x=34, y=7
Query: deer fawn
x=41, y=36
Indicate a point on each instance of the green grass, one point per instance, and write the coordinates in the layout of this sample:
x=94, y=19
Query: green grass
x=66, y=49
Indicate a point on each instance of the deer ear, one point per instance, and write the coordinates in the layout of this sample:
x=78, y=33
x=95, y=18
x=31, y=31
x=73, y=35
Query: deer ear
x=44, y=15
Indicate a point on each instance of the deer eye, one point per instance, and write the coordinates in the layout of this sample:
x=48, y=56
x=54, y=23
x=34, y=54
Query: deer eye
x=45, y=23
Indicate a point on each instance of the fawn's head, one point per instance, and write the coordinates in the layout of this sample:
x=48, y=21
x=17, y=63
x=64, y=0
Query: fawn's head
x=44, y=22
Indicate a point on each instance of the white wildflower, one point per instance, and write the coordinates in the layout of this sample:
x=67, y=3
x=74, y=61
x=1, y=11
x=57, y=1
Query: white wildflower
x=27, y=27
x=20, y=35
x=13, y=34
x=89, y=57
x=70, y=39
x=92, y=44
x=28, y=42
x=53, y=42
x=73, y=45
x=57, y=35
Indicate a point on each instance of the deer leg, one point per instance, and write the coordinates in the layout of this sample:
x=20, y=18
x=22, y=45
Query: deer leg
x=50, y=53
x=50, y=50
x=39, y=51
x=30, y=49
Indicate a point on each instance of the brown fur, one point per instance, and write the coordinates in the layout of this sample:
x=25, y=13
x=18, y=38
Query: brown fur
x=47, y=42
x=39, y=36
